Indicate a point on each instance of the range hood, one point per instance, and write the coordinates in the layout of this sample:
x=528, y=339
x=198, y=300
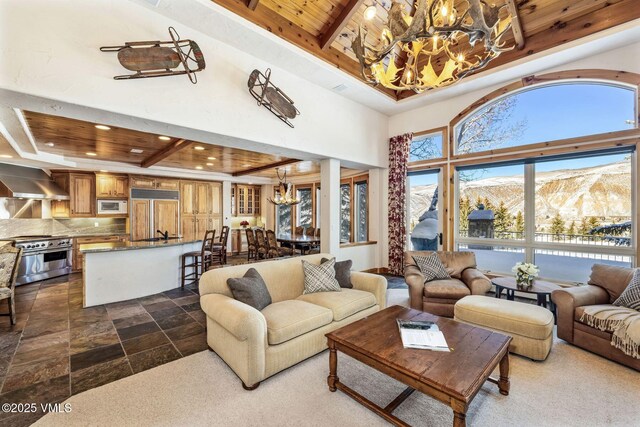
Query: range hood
x=28, y=183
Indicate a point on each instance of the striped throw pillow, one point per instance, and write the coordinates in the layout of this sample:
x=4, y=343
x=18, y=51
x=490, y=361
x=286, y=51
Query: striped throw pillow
x=630, y=297
x=320, y=278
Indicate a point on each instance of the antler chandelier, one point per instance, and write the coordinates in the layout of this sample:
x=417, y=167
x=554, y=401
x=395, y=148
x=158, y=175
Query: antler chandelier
x=284, y=195
x=438, y=41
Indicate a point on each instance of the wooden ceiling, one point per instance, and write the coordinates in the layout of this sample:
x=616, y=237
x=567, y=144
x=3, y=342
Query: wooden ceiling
x=325, y=28
x=76, y=138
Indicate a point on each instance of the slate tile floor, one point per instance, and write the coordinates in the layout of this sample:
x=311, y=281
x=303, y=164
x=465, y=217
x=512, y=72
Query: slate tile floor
x=57, y=348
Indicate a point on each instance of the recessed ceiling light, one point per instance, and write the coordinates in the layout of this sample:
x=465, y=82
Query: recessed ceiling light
x=198, y=147
x=103, y=171
x=136, y=151
x=103, y=127
x=91, y=154
x=370, y=12
x=211, y=158
x=246, y=165
x=49, y=144
x=251, y=183
x=209, y=164
x=164, y=138
x=6, y=156
x=199, y=167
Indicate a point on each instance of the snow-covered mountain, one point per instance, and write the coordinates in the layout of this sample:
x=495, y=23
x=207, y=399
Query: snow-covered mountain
x=601, y=191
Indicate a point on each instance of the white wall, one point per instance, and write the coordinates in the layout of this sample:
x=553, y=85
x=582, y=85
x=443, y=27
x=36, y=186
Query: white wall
x=440, y=114
x=50, y=50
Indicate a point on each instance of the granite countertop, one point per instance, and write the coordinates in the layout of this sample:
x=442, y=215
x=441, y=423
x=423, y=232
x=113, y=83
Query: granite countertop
x=128, y=245
x=96, y=235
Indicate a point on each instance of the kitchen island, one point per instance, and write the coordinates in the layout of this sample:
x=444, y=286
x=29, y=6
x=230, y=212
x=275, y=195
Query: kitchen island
x=123, y=270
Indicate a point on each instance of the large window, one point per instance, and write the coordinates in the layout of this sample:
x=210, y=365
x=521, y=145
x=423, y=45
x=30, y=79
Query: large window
x=423, y=215
x=564, y=214
x=547, y=113
x=427, y=145
x=361, y=210
x=354, y=209
x=283, y=219
x=345, y=212
x=304, y=210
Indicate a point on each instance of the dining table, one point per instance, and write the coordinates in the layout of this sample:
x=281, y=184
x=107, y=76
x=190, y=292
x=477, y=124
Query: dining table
x=302, y=242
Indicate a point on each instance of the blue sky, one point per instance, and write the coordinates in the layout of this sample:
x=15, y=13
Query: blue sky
x=564, y=111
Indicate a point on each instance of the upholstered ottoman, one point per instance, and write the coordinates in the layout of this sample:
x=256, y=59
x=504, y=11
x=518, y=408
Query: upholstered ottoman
x=530, y=326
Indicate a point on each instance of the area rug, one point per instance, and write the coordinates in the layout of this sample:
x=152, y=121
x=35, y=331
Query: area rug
x=571, y=388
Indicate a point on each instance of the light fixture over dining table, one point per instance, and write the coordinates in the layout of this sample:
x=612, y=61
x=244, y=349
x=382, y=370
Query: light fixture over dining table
x=284, y=194
x=441, y=42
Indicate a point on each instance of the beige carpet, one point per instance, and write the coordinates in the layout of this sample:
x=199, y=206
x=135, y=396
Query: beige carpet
x=571, y=388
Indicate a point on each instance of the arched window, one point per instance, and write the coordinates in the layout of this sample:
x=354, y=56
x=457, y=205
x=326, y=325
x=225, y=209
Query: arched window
x=547, y=112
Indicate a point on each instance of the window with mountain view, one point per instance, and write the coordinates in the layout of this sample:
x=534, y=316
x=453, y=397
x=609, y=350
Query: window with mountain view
x=547, y=113
x=304, y=210
x=563, y=213
x=423, y=210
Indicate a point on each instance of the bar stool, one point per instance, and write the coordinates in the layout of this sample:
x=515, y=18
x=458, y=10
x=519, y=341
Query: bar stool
x=200, y=260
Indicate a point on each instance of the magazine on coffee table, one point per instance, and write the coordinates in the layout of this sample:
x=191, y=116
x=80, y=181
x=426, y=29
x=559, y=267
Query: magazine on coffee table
x=422, y=335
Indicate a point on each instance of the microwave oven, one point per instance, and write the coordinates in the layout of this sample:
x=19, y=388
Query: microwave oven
x=112, y=207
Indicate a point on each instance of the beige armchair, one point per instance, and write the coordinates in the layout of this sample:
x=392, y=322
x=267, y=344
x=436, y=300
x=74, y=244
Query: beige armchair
x=439, y=296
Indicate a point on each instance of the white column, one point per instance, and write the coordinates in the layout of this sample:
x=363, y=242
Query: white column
x=226, y=208
x=330, y=206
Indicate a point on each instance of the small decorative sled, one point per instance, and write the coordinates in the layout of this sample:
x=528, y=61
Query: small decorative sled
x=158, y=59
x=271, y=97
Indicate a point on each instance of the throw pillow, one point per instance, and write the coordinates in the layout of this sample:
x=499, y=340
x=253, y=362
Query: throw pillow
x=431, y=267
x=630, y=297
x=320, y=278
x=250, y=289
x=343, y=272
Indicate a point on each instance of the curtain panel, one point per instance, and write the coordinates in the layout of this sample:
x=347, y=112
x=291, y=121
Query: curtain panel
x=398, y=158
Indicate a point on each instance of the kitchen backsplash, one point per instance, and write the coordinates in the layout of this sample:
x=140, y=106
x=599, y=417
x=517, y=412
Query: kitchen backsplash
x=252, y=220
x=71, y=227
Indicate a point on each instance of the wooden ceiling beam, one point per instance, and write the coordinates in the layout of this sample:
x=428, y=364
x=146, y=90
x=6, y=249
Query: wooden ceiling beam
x=252, y=4
x=265, y=167
x=287, y=30
x=340, y=22
x=171, y=148
x=516, y=26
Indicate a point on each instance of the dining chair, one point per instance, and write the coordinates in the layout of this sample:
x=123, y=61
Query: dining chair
x=261, y=244
x=219, y=250
x=310, y=231
x=252, y=247
x=199, y=260
x=9, y=261
x=274, y=250
x=299, y=230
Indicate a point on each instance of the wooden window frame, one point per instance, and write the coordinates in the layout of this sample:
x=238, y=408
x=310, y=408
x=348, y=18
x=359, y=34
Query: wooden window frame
x=588, y=143
x=352, y=181
x=444, y=130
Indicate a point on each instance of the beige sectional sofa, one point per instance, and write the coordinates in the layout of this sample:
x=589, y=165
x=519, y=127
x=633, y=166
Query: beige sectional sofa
x=258, y=344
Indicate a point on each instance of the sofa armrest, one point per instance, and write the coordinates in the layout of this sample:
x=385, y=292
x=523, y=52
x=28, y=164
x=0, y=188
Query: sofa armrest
x=241, y=320
x=566, y=301
x=476, y=281
x=415, y=280
x=373, y=283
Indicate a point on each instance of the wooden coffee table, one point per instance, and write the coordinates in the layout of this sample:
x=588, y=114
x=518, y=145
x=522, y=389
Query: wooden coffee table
x=453, y=378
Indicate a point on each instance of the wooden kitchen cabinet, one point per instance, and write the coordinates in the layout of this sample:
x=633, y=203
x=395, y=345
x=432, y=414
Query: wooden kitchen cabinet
x=82, y=195
x=165, y=216
x=136, y=181
x=246, y=200
x=140, y=217
x=201, y=208
x=112, y=186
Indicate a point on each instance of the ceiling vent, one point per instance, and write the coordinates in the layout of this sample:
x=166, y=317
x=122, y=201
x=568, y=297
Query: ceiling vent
x=340, y=88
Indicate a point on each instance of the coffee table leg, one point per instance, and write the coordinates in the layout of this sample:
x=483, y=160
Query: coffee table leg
x=332, y=379
x=459, y=419
x=503, y=382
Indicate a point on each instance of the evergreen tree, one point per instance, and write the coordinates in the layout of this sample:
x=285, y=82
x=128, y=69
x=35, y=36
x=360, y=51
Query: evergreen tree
x=572, y=229
x=488, y=205
x=479, y=202
x=594, y=222
x=584, y=226
x=503, y=221
x=519, y=226
x=557, y=226
x=465, y=210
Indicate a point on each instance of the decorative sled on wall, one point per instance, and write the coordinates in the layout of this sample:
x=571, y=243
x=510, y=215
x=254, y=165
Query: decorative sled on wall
x=157, y=59
x=271, y=97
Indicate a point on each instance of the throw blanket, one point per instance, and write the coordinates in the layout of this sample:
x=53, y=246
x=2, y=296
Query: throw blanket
x=624, y=323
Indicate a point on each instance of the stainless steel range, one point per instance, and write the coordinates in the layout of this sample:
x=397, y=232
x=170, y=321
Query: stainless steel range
x=43, y=257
